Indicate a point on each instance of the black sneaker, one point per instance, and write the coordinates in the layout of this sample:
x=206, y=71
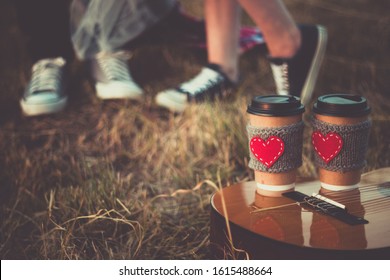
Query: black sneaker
x=209, y=84
x=297, y=76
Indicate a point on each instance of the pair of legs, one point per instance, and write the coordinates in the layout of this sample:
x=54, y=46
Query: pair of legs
x=295, y=52
x=100, y=32
x=271, y=16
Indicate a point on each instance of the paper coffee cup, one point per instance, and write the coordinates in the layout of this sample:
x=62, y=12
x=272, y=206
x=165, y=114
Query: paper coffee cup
x=275, y=131
x=340, y=139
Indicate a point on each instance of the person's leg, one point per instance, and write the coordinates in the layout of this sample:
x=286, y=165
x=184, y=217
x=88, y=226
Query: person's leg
x=279, y=29
x=223, y=21
x=295, y=52
x=217, y=79
x=105, y=32
x=45, y=26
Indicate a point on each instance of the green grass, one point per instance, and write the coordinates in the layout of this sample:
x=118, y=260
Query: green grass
x=123, y=180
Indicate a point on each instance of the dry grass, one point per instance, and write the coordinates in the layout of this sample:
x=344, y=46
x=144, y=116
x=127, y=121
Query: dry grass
x=120, y=180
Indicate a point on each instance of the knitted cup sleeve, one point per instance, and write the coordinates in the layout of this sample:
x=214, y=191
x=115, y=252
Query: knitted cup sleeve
x=340, y=148
x=275, y=149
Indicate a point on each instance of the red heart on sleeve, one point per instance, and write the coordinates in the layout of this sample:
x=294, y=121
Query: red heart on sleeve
x=267, y=152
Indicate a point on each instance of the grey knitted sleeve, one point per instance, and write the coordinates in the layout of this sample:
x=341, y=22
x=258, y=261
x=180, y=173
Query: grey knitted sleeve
x=352, y=154
x=291, y=158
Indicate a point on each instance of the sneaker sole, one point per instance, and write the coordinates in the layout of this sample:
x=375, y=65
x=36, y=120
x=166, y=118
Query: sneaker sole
x=169, y=104
x=119, y=94
x=137, y=97
x=311, y=79
x=43, y=109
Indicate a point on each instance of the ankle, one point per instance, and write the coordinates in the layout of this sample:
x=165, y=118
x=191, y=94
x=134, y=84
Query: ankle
x=290, y=44
x=231, y=73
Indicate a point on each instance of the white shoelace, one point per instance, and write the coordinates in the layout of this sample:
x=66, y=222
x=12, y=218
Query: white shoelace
x=47, y=75
x=114, y=65
x=207, y=77
x=280, y=73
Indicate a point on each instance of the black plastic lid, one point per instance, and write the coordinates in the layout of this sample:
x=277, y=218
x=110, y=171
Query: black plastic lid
x=341, y=105
x=275, y=105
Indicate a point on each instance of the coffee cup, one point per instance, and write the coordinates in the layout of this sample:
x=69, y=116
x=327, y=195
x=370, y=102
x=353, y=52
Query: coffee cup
x=340, y=137
x=275, y=134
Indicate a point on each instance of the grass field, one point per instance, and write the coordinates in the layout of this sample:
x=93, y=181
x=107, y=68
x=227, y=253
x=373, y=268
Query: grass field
x=121, y=180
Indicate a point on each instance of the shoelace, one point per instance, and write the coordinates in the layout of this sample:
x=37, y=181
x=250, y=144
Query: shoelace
x=204, y=80
x=280, y=73
x=114, y=65
x=46, y=75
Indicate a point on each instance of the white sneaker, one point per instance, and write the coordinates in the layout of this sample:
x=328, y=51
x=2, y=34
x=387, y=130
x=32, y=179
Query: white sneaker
x=44, y=93
x=112, y=77
x=209, y=84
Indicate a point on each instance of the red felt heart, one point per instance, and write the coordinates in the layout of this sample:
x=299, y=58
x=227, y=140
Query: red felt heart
x=327, y=147
x=267, y=152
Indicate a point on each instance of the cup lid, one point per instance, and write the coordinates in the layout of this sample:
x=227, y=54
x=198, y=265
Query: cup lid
x=275, y=105
x=341, y=105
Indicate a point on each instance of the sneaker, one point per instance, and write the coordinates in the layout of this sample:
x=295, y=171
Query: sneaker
x=209, y=84
x=44, y=93
x=297, y=76
x=112, y=77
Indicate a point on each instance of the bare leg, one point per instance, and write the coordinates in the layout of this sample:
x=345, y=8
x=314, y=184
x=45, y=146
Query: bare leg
x=222, y=27
x=279, y=29
x=296, y=52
